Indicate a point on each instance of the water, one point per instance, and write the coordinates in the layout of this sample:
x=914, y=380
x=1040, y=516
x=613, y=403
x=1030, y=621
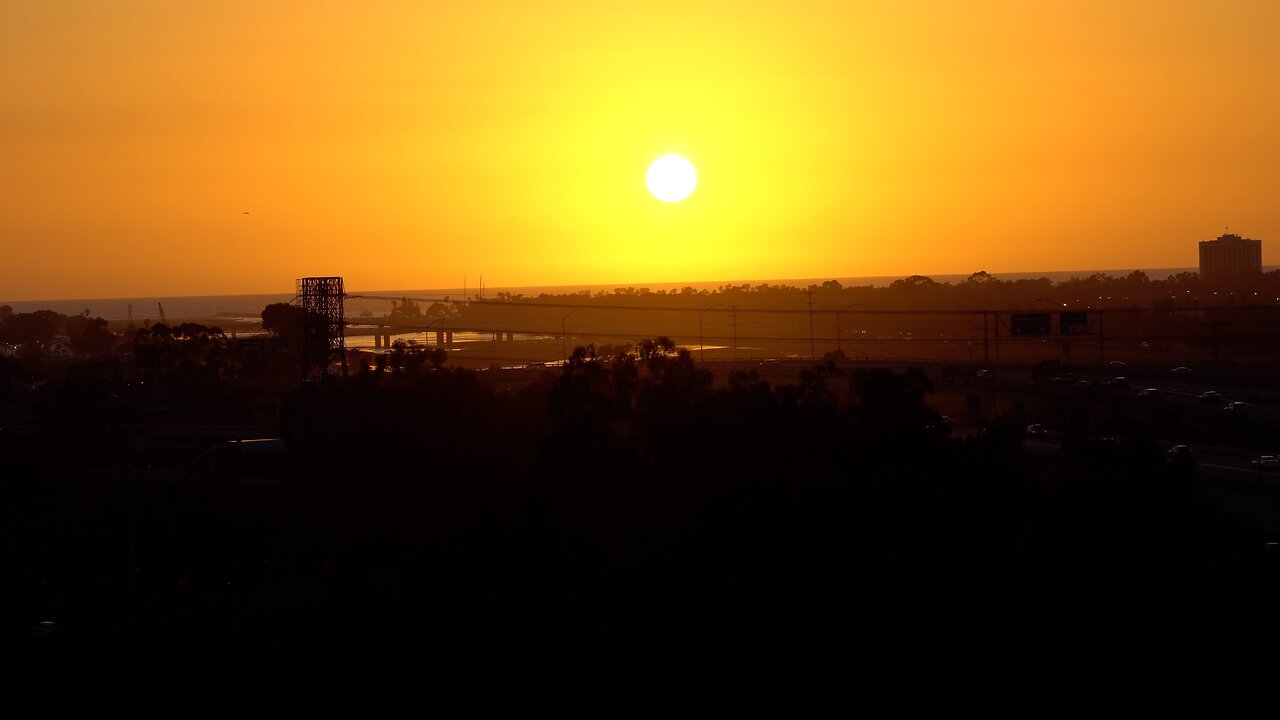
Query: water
x=460, y=339
x=249, y=307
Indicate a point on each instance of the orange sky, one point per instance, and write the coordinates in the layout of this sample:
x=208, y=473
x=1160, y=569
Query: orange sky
x=403, y=144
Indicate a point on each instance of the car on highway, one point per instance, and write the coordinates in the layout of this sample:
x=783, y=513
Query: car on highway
x=770, y=363
x=1153, y=393
x=1181, y=370
x=1122, y=382
x=1210, y=397
x=1179, y=453
x=1037, y=429
x=1266, y=462
x=943, y=425
x=535, y=365
x=1110, y=443
x=1238, y=407
x=984, y=373
x=1115, y=364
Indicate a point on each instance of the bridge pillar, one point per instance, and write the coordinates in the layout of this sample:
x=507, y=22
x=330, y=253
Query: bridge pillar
x=377, y=341
x=439, y=337
x=448, y=337
x=386, y=340
x=511, y=336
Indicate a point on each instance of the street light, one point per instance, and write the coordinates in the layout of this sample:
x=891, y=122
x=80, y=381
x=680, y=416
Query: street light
x=564, y=355
x=426, y=330
x=846, y=307
x=1066, y=338
x=701, y=352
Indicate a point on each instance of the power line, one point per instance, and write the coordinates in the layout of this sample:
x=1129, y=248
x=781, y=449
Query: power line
x=800, y=311
x=547, y=334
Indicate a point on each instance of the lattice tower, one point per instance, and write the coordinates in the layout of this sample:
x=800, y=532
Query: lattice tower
x=323, y=327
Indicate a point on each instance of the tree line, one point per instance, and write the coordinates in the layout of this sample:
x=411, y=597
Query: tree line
x=979, y=291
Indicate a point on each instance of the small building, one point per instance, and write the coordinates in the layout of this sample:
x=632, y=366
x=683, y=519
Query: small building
x=1229, y=256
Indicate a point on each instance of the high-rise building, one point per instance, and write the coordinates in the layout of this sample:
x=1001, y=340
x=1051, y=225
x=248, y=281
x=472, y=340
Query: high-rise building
x=1229, y=256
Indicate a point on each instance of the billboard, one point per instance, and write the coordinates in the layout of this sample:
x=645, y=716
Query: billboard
x=1029, y=324
x=1073, y=323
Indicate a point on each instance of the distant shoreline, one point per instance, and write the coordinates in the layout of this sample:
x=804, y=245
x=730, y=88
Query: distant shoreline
x=250, y=304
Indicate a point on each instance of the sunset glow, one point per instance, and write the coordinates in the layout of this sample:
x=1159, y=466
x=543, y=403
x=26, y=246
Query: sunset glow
x=168, y=148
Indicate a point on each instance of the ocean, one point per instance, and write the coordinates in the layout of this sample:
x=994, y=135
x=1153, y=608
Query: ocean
x=250, y=306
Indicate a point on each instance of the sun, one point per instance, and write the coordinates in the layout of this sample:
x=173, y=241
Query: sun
x=671, y=178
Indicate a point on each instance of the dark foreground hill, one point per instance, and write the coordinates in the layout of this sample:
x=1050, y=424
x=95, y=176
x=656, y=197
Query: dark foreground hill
x=617, y=535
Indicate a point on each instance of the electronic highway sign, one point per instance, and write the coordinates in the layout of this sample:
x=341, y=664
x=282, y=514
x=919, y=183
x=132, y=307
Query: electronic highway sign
x=1073, y=323
x=1029, y=324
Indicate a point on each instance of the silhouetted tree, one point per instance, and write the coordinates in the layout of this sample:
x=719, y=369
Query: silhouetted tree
x=914, y=282
x=283, y=319
x=93, y=338
x=36, y=329
x=406, y=309
x=188, y=351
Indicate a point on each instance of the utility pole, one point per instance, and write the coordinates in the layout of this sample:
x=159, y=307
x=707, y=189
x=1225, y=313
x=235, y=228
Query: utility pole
x=996, y=321
x=735, y=332
x=1102, y=340
x=812, y=352
x=564, y=353
x=1217, y=339
x=702, y=353
x=846, y=307
x=986, y=344
x=986, y=358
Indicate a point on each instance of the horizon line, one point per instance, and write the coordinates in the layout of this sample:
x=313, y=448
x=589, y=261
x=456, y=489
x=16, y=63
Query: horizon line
x=638, y=284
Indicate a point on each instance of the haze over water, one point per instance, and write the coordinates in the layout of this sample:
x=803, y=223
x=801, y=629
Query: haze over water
x=249, y=306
